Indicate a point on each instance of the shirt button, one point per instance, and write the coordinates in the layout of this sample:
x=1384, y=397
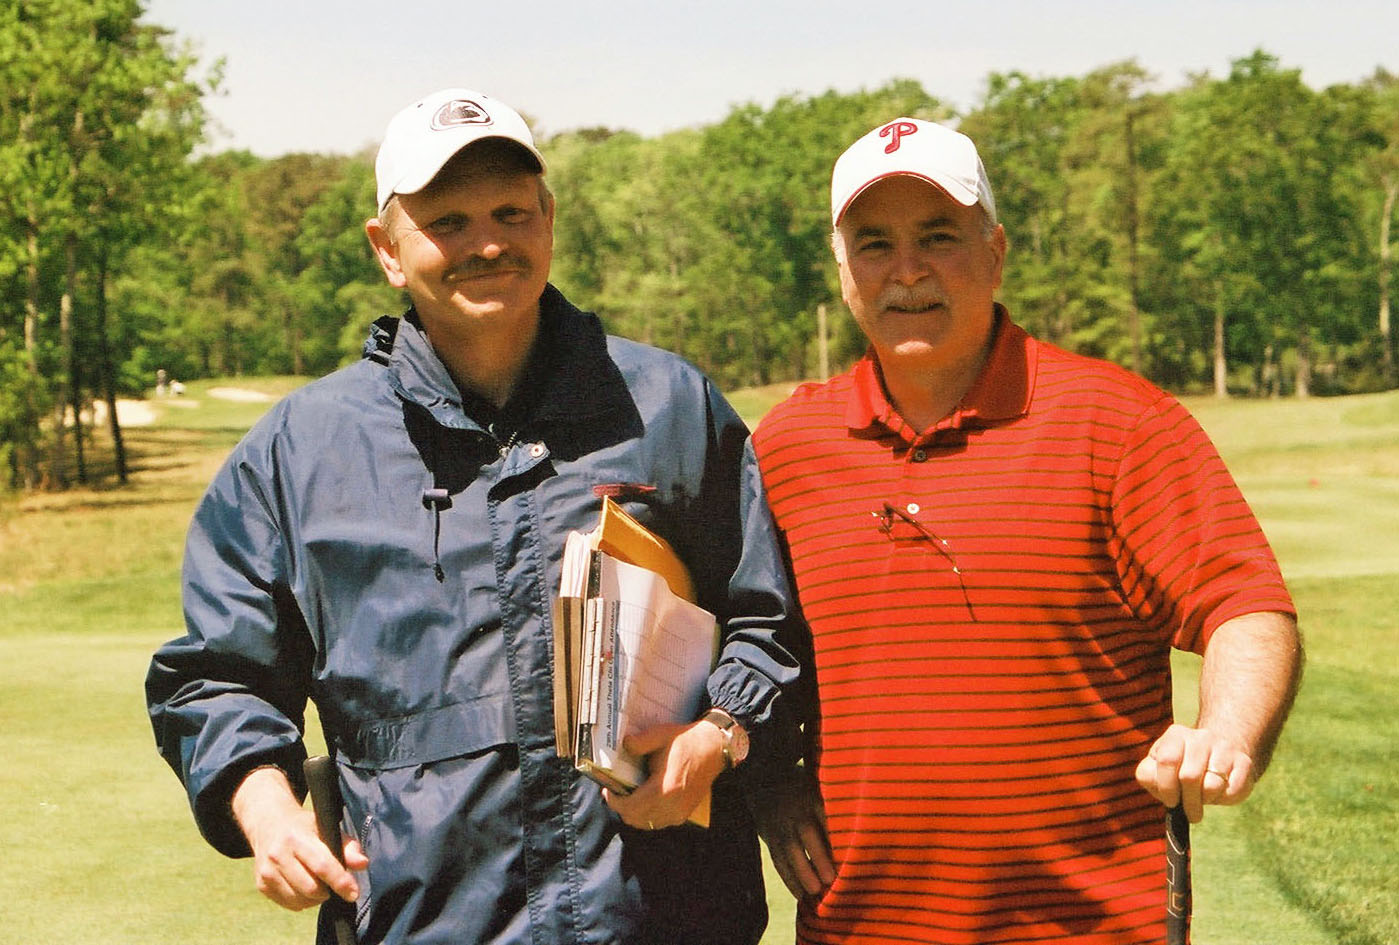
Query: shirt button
x=914, y=508
x=920, y=456
x=536, y=450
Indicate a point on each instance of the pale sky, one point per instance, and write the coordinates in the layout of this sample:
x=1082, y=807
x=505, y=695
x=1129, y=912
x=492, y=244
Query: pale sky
x=316, y=75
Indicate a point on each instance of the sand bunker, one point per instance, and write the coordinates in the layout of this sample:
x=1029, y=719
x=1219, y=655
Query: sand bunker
x=130, y=413
x=239, y=393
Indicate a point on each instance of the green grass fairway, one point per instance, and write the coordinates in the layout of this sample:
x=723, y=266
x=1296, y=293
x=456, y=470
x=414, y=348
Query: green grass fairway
x=98, y=847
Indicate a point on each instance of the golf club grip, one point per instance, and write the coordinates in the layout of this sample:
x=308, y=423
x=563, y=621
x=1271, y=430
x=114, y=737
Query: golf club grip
x=323, y=783
x=1177, y=876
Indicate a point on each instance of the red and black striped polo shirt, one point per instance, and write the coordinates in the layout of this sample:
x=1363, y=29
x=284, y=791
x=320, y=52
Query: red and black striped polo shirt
x=993, y=603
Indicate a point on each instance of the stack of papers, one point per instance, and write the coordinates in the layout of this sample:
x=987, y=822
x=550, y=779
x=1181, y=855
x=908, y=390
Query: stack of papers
x=631, y=648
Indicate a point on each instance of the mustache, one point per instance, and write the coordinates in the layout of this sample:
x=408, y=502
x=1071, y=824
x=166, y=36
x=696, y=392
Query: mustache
x=909, y=297
x=481, y=266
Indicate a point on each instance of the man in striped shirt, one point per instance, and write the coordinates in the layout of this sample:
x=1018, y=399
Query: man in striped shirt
x=996, y=544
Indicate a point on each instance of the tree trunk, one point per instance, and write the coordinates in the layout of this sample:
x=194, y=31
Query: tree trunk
x=293, y=322
x=28, y=444
x=1270, y=373
x=677, y=317
x=70, y=353
x=1134, y=318
x=67, y=337
x=105, y=367
x=1047, y=320
x=1061, y=294
x=1304, y=364
x=1221, y=364
x=227, y=338
x=1391, y=193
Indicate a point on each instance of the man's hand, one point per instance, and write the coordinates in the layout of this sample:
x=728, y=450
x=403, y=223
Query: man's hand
x=1249, y=676
x=1194, y=767
x=791, y=819
x=684, y=761
x=292, y=865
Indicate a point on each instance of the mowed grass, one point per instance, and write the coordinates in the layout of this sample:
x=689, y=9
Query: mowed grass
x=96, y=841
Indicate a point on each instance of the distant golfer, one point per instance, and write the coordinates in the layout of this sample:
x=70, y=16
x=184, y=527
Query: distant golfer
x=387, y=542
x=997, y=543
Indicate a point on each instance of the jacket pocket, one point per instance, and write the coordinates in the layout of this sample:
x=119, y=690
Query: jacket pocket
x=434, y=796
x=429, y=736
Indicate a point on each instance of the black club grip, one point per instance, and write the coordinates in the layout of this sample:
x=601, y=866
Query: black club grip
x=323, y=782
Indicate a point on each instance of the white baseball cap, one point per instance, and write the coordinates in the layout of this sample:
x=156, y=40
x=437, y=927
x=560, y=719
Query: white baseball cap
x=910, y=146
x=424, y=136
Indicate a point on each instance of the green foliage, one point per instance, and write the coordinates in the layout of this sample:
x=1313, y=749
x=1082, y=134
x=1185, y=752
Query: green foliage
x=98, y=113
x=715, y=243
x=1254, y=223
x=1138, y=220
x=1021, y=130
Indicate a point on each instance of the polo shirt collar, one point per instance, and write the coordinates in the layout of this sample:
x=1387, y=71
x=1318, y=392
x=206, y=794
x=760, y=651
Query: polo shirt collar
x=1002, y=391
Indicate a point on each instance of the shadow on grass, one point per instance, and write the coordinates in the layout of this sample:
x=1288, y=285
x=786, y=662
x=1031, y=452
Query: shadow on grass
x=1325, y=827
x=1328, y=839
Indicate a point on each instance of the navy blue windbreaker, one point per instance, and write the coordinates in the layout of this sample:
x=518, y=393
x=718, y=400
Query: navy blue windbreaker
x=372, y=547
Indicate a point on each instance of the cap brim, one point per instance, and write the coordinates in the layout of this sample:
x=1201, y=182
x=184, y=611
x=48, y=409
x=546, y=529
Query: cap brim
x=417, y=177
x=952, y=188
x=420, y=175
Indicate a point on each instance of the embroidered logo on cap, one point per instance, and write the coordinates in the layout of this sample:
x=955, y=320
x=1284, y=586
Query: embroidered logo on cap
x=461, y=111
x=895, y=131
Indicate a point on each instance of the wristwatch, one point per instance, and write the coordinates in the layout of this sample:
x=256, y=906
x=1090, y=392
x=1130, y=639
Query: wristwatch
x=735, y=738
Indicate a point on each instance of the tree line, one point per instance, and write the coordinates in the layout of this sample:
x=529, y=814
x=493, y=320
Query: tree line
x=1230, y=234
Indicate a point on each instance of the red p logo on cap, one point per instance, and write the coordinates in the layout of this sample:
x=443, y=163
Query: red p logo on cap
x=895, y=131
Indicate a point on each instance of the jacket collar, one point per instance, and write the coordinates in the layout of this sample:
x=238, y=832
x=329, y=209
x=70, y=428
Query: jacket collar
x=576, y=376
x=1002, y=391
x=569, y=373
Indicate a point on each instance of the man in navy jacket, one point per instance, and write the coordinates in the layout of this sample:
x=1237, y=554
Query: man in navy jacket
x=386, y=542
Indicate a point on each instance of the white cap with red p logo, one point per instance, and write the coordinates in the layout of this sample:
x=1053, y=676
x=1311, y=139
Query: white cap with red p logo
x=943, y=157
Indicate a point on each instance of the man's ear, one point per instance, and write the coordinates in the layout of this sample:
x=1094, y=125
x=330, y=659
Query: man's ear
x=386, y=251
x=998, y=251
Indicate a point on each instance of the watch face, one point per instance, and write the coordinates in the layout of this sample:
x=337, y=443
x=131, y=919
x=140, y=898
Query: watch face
x=735, y=737
x=738, y=743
